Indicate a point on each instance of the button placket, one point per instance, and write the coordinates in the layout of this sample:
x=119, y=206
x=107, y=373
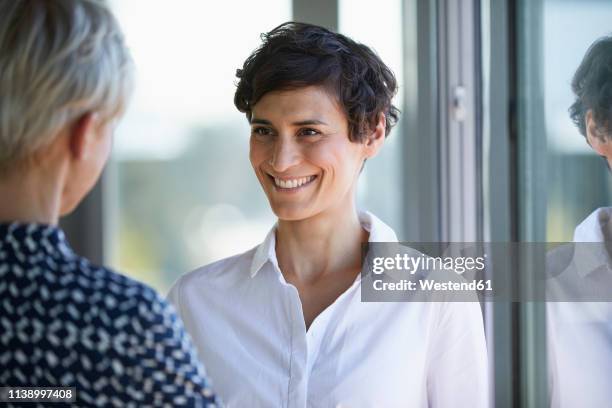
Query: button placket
x=298, y=376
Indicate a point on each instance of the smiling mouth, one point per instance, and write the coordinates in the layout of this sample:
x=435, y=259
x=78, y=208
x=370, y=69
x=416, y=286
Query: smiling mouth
x=293, y=184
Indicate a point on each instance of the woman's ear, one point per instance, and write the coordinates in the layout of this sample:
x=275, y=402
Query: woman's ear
x=375, y=140
x=80, y=134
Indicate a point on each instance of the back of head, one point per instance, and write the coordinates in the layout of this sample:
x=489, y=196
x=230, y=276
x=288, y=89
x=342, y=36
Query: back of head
x=592, y=86
x=58, y=60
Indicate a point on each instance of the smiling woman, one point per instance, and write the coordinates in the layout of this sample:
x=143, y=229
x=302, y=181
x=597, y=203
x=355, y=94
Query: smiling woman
x=296, y=333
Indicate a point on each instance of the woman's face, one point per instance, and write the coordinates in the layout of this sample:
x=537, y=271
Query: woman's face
x=301, y=152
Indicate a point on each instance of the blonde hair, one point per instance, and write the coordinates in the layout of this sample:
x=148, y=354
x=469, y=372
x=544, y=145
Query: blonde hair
x=58, y=60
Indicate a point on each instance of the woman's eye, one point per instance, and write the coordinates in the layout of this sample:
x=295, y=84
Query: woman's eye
x=309, y=132
x=261, y=131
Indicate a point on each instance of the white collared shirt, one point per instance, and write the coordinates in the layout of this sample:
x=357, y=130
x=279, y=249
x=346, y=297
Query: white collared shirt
x=580, y=333
x=248, y=326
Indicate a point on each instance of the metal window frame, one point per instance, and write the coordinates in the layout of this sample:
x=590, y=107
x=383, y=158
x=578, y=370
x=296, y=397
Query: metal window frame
x=460, y=116
x=420, y=142
x=499, y=209
x=514, y=207
x=530, y=199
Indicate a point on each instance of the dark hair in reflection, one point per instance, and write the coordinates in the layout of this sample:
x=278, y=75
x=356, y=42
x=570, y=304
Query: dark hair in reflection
x=295, y=55
x=592, y=86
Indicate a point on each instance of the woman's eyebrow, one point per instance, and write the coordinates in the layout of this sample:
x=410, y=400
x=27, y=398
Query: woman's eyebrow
x=309, y=122
x=256, y=121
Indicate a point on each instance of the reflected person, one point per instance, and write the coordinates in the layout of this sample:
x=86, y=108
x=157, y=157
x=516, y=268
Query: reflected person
x=295, y=332
x=65, y=77
x=579, y=331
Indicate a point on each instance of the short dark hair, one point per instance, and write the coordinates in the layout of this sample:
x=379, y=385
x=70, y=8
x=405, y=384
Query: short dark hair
x=295, y=55
x=592, y=86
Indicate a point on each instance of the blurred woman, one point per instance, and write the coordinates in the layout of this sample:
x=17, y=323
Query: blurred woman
x=65, y=77
x=295, y=332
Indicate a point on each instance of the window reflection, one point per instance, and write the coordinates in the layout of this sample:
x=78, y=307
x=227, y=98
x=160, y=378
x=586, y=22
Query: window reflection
x=577, y=180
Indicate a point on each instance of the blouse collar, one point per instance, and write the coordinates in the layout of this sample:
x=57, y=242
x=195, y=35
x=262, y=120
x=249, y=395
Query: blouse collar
x=34, y=238
x=266, y=251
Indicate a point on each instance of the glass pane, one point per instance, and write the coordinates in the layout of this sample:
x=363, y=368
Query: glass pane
x=181, y=189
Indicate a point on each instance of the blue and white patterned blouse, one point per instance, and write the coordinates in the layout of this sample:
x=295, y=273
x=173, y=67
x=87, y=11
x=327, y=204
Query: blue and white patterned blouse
x=67, y=323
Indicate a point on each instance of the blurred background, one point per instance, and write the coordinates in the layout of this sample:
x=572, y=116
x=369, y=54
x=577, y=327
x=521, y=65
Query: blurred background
x=485, y=149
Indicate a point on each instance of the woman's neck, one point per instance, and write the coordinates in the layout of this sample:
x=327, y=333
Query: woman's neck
x=31, y=195
x=325, y=243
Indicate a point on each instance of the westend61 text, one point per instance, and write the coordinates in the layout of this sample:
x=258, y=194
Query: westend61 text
x=431, y=285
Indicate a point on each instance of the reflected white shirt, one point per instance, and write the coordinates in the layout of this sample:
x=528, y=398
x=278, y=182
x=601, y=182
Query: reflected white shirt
x=247, y=324
x=580, y=333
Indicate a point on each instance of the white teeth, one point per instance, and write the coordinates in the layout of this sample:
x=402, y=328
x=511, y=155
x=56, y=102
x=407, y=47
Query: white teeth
x=293, y=183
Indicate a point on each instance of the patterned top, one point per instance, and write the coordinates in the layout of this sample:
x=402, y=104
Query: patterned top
x=67, y=323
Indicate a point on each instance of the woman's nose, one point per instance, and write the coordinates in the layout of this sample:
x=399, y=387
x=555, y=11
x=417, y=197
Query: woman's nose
x=285, y=155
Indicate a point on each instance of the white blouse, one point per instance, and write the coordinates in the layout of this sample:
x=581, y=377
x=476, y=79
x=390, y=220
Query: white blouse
x=247, y=324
